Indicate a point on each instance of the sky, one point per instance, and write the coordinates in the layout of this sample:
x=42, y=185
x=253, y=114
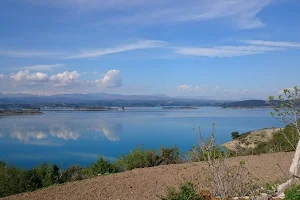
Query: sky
x=221, y=49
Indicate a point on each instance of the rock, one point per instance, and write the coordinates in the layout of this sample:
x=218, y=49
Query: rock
x=281, y=188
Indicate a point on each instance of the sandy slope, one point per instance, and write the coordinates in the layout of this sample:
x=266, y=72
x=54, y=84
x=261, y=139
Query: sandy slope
x=252, y=139
x=148, y=183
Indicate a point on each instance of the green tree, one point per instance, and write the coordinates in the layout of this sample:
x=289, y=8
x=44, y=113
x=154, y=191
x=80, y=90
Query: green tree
x=287, y=110
x=235, y=135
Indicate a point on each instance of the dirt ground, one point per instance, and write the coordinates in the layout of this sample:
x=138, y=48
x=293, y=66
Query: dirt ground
x=149, y=183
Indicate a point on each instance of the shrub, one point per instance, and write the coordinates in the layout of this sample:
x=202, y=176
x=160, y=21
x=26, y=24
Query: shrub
x=73, y=173
x=293, y=193
x=101, y=167
x=32, y=180
x=187, y=192
x=49, y=174
x=10, y=180
x=169, y=156
x=138, y=159
x=198, y=154
x=235, y=135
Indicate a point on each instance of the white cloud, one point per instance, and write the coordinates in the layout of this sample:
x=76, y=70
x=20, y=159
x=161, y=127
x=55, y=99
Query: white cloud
x=29, y=53
x=242, y=13
x=185, y=88
x=188, y=88
x=2, y=76
x=42, y=84
x=144, y=44
x=65, y=78
x=281, y=92
x=273, y=43
x=235, y=91
x=253, y=47
x=44, y=67
x=25, y=75
x=226, y=51
x=110, y=80
x=199, y=89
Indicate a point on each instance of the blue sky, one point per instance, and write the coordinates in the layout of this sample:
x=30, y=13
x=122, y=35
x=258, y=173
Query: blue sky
x=225, y=49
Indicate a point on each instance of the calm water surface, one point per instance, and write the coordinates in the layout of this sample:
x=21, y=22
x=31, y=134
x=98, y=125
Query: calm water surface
x=66, y=138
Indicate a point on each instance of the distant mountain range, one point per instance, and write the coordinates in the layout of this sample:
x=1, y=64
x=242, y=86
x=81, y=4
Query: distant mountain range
x=105, y=99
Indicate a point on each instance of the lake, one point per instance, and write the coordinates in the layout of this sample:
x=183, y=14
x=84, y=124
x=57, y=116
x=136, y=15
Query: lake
x=75, y=137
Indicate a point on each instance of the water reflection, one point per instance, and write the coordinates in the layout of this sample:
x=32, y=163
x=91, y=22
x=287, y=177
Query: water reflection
x=68, y=138
x=64, y=132
x=55, y=130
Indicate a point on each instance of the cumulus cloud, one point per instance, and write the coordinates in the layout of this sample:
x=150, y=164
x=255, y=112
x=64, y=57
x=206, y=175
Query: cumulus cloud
x=188, y=88
x=65, y=78
x=26, y=75
x=111, y=79
x=2, y=76
x=185, y=88
x=43, y=67
x=68, y=82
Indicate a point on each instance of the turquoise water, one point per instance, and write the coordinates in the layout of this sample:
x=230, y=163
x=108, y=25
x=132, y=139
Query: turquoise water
x=72, y=137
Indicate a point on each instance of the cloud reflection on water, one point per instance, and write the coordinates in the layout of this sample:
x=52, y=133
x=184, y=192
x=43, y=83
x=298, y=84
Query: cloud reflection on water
x=52, y=132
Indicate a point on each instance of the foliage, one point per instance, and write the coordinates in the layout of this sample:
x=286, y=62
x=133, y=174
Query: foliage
x=73, y=173
x=101, y=167
x=293, y=193
x=138, y=158
x=14, y=180
x=187, y=192
x=169, y=156
x=234, y=135
x=288, y=110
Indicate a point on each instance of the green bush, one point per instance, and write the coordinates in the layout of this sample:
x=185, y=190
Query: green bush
x=169, y=156
x=293, y=193
x=101, y=167
x=138, y=159
x=187, y=192
x=235, y=135
x=73, y=173
x=10, y=180
x=49, y=174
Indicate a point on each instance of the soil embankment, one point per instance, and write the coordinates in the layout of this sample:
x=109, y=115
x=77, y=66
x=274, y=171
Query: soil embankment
x=149, y=183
